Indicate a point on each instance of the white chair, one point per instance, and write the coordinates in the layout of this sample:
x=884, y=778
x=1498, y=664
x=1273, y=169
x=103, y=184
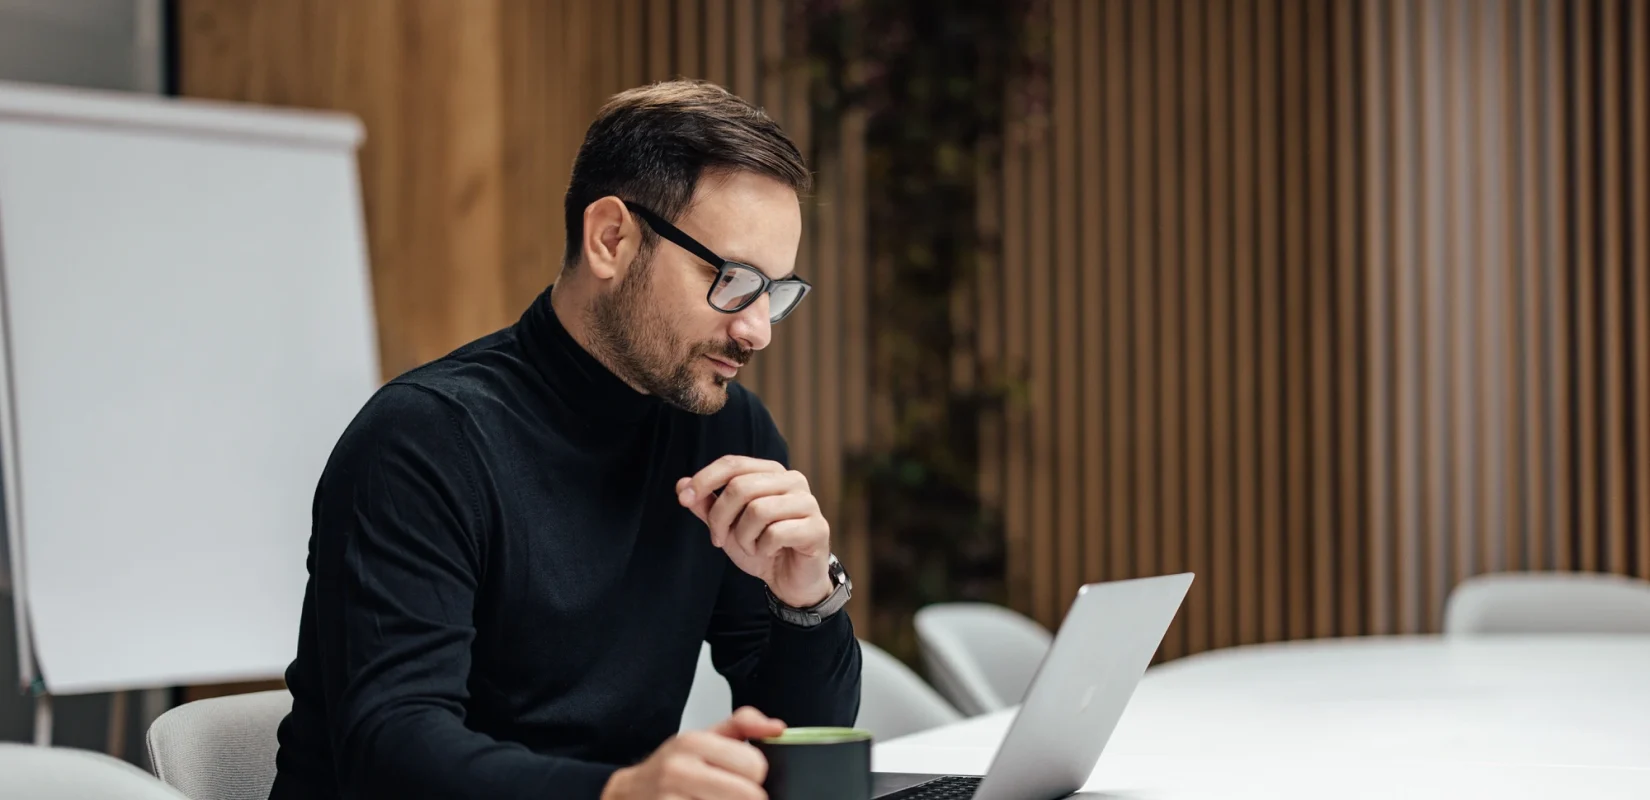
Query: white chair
x=980, y=656
x=1548, y=602
x=895, y=702
x=28, y=772
x=221, y=748
x=710, y=700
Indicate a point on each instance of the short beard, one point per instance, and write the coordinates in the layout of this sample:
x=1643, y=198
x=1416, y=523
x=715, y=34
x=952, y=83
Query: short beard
x=641, y=348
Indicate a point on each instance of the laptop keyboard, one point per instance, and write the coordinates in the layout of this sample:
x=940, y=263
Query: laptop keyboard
x=956, y=787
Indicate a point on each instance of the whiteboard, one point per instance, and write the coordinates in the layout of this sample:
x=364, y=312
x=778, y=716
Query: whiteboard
x=188, y=328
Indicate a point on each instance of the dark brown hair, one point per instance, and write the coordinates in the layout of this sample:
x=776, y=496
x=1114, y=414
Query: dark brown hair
x=650, y=145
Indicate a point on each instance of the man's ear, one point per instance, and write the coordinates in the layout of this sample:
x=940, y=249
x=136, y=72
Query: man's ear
x=611, y=238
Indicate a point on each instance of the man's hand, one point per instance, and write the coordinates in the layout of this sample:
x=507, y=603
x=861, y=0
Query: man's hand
x=717, y=764
x=768, y=521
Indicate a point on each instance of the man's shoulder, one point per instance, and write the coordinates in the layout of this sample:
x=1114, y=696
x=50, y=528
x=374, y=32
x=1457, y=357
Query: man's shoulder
x=467, y=379
x=442, y=396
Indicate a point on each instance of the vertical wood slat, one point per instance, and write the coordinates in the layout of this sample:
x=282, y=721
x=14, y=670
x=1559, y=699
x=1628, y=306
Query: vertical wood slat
x=1122, y=517
x=1406, y=300
x=1585, y=302
x=1222, y=522
x=1321, y=335
x=1297, y=499
x=1096, y=481
x=1432, y=279
x=660, y=22
x=1462, y=266
x=1169, y=355
x=1194, y=178
x=1493, y=296
x=1245, y=302
x=1143, y=274
x=1537, y=327
x=1557, y=198
x=1522, y=326
x=717, y=39
x=1349, y=443
x=1638, y=93
x=1270, y=290
x=1375, y=173
x=689, y=36
x=1613, y=432
x=1069, y=280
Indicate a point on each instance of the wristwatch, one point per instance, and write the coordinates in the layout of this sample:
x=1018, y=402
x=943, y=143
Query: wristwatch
x=816, y=614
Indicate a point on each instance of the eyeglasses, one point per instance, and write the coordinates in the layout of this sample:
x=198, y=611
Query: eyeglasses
x=737, y=285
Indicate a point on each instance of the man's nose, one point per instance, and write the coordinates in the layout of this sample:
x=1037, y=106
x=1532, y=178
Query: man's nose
x=751, y=327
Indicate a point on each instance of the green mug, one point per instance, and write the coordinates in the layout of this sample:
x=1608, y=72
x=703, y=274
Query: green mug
x=818, y=764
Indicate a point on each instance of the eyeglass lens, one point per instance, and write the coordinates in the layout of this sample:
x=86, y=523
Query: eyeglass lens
x=738, y=286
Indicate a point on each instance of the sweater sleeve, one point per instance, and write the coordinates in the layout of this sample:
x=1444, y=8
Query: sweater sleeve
x=399, y=552
x=804, y=676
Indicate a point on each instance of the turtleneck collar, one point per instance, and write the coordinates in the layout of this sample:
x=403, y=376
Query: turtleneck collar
x=582, y=383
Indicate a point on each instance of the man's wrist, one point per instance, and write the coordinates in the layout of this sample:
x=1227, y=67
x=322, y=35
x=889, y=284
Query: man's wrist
x=818, y=604
x=810, y=597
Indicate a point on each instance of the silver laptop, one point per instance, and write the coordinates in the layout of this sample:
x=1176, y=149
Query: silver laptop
x=1073, y=703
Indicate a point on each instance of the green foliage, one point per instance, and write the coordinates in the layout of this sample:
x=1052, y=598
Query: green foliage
x=932, y=79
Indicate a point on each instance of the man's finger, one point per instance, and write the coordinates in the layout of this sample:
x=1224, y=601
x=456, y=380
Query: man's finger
x=722, y=785
x=734, y=755
x=764, y=512
x=798, y=534
x=729, y=510
x=717, y=474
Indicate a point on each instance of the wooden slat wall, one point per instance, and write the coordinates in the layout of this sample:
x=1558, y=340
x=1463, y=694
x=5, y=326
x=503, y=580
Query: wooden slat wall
x=1203, y=236
x=473, y=117
x=1334, y=302
x=1530, y=176
x=1363, y=291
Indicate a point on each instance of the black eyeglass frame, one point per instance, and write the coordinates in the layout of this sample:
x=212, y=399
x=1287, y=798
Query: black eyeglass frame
x=675, y=236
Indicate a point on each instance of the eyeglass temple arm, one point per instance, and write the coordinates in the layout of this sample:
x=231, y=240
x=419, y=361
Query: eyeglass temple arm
x=675, y=235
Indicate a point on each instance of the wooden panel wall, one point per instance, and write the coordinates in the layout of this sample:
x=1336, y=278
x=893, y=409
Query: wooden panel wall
x=474, y=113
x=1334, y=302
x=1363, y=289
x=1197, y=410
x=1508, y=257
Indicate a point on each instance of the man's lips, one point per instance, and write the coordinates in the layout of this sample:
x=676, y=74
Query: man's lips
x=727, y=368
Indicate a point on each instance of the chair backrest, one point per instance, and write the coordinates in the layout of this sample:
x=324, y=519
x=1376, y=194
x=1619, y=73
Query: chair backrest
x=894, y=701
x=1548, y=602
x=710, y=701
x=221, y=748
x=980, y=656
x=28, y=772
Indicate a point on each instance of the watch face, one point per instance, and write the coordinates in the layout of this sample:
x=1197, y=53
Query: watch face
x=839, y=575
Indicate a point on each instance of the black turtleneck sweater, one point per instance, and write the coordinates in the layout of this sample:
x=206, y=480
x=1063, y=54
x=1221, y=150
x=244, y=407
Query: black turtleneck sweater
x=505, y=598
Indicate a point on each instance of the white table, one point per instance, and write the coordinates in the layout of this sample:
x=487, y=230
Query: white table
x=1409, y=716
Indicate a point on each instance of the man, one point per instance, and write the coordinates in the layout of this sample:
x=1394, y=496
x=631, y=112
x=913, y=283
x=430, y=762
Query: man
x=519, y=548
